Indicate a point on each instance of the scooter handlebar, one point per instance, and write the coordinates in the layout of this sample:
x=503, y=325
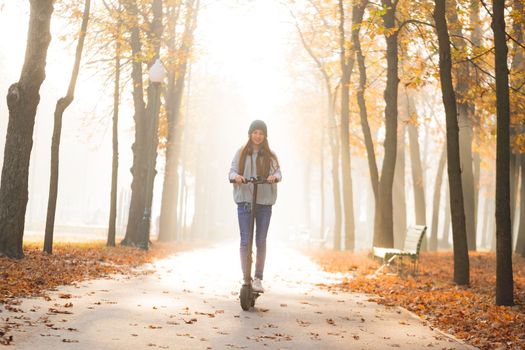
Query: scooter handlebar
x=254, y=180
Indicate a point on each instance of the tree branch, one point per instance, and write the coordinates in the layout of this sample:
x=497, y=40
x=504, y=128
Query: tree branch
x=515, y=41
x=477, y=56
x=518, y=91
x=414, y=21
x=486, y=8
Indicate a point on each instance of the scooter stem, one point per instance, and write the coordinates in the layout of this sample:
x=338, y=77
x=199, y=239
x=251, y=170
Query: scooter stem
x=253, y=209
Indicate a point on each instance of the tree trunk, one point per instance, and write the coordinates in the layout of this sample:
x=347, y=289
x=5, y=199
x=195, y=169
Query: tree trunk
x=517, y=79
x=446, y=224
x=461, y=72
x=347, y=62
x=321, y=184
x=492, y=230
x=417, y=168
x=476, y=158
x=467, y=174
x=61, y=106
x=513, y=182
x=476, y=39
x=168, y=211
x=181, y=209
x=459, y=235
x=384, y=233
x=399, y=194
x=114, y=166
x=146, y=140
x=487, y=213
x=22, y=101
x=138, y=169
x=357, y=18
x=418, y=183
x=504, y=279
x=436, y=202
x=307, y=179
x=358, y=11
x=520, y=244
x=199, y=216
x=176, y=83
x=183, y=150
x=185, y=216
x=334, y=145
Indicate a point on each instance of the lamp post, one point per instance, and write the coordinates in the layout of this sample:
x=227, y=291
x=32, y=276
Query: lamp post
x=157, y=73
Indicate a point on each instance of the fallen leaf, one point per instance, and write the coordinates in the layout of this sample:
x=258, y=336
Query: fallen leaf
x=69, y=341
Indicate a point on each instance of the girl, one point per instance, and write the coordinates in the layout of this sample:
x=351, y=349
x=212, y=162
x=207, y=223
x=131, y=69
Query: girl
x=252, y=160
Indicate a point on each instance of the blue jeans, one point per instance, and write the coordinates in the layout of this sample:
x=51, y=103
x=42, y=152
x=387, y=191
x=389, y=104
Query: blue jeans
x=262, y=222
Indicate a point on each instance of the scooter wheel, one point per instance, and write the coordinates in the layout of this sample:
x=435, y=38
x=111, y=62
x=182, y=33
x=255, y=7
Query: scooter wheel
x=246, y=297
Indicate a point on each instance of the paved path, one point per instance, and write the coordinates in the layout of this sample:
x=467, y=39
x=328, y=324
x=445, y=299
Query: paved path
x=191, y=302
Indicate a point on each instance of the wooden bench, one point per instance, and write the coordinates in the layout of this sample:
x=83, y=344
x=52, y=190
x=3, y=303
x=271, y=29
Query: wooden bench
x=411, y=248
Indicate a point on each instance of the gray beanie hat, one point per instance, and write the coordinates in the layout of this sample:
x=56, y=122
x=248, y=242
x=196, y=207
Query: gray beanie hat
x=258, y=125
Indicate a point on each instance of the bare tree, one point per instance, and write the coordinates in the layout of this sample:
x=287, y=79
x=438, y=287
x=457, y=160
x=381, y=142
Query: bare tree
x=60, y=108
x=116, y=104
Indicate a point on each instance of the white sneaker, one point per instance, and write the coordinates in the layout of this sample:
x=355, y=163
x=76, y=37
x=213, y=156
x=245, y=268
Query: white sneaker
x=257, y=285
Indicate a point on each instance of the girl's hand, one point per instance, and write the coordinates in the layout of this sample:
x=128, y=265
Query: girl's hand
x=271, y=179
x=239, y=179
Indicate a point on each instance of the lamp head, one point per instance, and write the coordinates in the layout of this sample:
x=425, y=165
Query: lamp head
x=157, y=72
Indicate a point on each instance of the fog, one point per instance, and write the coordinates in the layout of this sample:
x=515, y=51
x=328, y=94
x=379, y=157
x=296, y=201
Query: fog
x=240, y=72
x=248, y=63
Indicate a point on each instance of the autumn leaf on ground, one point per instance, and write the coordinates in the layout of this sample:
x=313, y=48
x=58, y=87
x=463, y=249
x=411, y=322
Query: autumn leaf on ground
x=303, y=323
x=467, y=313
x=56, y=311
x=69, y=341
x=70, y=263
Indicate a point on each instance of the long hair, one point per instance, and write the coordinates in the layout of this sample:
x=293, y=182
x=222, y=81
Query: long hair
x=264, y=161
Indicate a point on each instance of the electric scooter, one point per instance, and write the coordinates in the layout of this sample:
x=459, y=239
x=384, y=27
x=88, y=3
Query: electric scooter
x=247, y=294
